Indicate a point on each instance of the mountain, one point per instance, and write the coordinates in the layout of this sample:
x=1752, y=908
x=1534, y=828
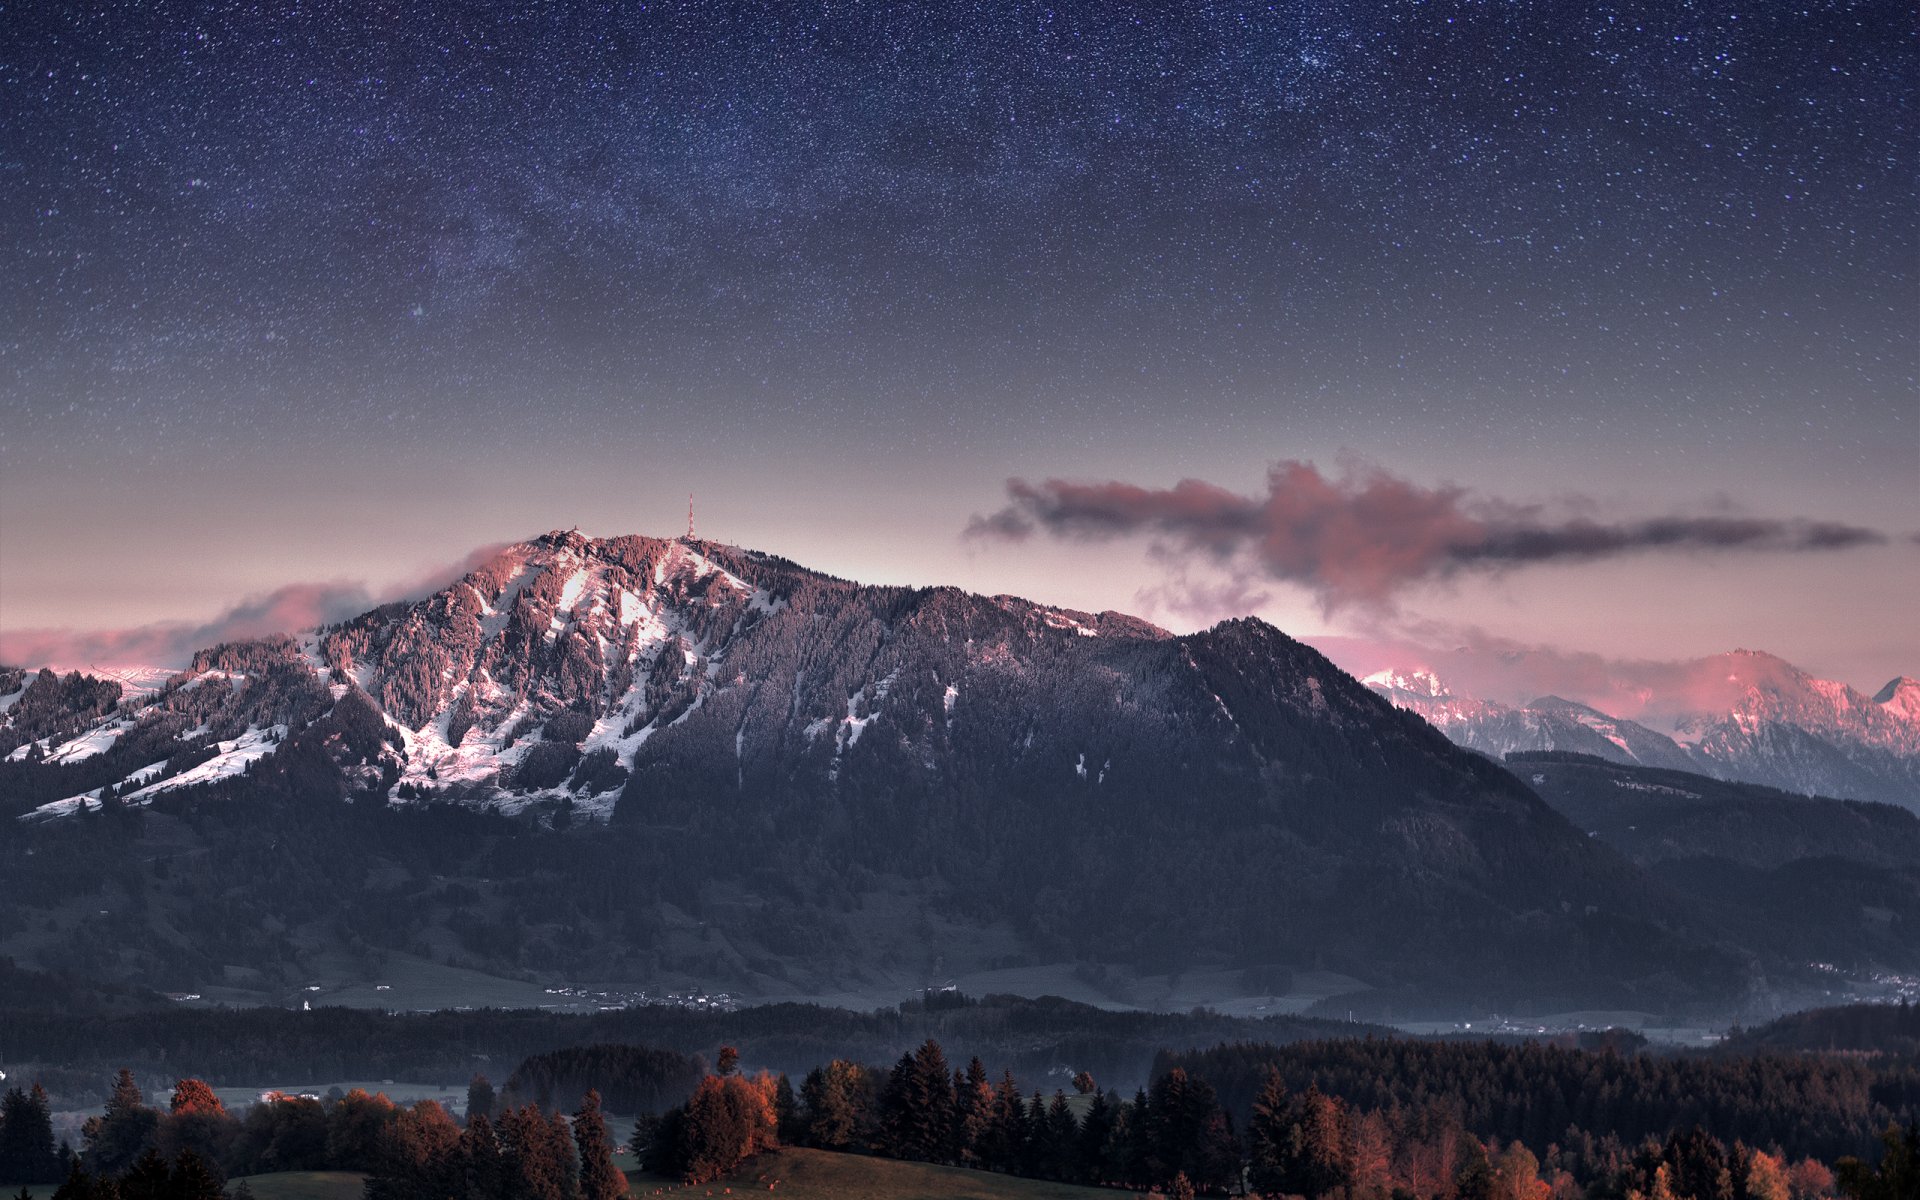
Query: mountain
x=1548, y=723
x=1742, y=716
x=768, y=776
x=1834, y=882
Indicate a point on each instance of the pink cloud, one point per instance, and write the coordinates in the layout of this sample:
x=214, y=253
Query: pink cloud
x=288, y=609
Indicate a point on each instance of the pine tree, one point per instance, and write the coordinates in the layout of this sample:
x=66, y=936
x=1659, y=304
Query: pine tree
x=148, y=1179
x=1063, y=1140
x=480, y=1158
x=1320, y=1146
x=1269, y=1136
x=193, y=1178
x=27, y=1153
x=973, y=1112
x=479, y=1097
x=116, y=1138
x=599, y=1178
x=1096, y=1130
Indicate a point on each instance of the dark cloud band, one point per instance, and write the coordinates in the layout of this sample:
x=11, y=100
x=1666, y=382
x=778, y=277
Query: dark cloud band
x=1363, y=536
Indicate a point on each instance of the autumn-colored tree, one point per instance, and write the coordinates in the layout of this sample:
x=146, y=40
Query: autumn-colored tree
x=196, y=1123
x=725, y=1122
x=1767, y=1178
x=727, y=1062
x=355, y=1125
x=1516, y=1175
x=1810, y=1180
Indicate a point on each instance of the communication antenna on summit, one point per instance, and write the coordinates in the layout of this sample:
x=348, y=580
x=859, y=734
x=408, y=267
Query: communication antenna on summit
x=690, y=516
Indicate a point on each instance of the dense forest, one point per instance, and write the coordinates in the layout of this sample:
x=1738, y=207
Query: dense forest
x=1439, y=1122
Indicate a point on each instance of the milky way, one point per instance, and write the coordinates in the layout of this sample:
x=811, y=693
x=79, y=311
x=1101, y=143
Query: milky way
x=416, y=233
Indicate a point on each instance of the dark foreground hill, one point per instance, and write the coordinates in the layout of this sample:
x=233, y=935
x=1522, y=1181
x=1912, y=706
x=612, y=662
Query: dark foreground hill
x=1793, y=877
x=646, y=759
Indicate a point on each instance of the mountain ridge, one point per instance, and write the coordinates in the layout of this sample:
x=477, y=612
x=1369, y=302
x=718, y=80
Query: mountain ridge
x=1037, y=779
x=1745, y=716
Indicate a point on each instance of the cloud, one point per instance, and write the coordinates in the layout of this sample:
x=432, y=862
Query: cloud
x=288, y=609
x=1365, y=535
x=172, y=643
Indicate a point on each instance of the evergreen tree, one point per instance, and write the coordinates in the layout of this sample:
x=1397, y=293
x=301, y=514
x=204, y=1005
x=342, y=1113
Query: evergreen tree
x=836, y=1098
x=116, y=1139
x=1318, y=1147
x=973, y=1112
x=1270, y=1136
x=599, y=1178
x=1096, y=1130
x=786, y=1110
x=148, y=1179
x=79, y=1185
x=1063, y=1140
x=1898, y=1175
x=27, y=1153
x=1006, y=1137
x=193, y=1178
x=479, y=1097
x=480, y=1160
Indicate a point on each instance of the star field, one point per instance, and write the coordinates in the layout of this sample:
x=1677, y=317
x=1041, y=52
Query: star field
x=1105, y=235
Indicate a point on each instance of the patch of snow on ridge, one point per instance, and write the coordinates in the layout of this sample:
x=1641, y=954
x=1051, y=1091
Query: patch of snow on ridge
x=235, y=756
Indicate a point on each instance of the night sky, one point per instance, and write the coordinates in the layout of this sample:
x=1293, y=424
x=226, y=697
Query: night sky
x=339, y=291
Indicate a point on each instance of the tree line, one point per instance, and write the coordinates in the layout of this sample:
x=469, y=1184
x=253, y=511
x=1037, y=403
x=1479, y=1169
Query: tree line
x=132, y=1151
x=1178, y=1137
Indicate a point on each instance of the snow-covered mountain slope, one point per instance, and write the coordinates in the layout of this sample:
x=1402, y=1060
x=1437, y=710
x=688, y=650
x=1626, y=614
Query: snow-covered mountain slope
x=1742, y=716
x=540, y=676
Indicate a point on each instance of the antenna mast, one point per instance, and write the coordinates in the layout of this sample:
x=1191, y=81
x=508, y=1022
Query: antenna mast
x=690, y=516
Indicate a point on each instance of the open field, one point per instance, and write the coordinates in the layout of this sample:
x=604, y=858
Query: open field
x=820, y=1175
x=306, y=1185
x=795, y=1174
x=401, y=1092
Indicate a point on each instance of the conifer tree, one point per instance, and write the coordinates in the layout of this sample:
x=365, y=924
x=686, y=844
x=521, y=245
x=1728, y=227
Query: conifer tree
x=116, y=1138
x=973, y=1112
x=1269, y=1136
x=481, y=1161
x=599, y=1178
x=27, y=1153
x=479, y=1097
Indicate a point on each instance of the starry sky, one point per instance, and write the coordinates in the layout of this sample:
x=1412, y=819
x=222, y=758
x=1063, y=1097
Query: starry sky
x=337, y=291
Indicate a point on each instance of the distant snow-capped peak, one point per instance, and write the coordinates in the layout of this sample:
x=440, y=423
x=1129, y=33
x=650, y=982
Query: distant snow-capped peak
x=1416, y=682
